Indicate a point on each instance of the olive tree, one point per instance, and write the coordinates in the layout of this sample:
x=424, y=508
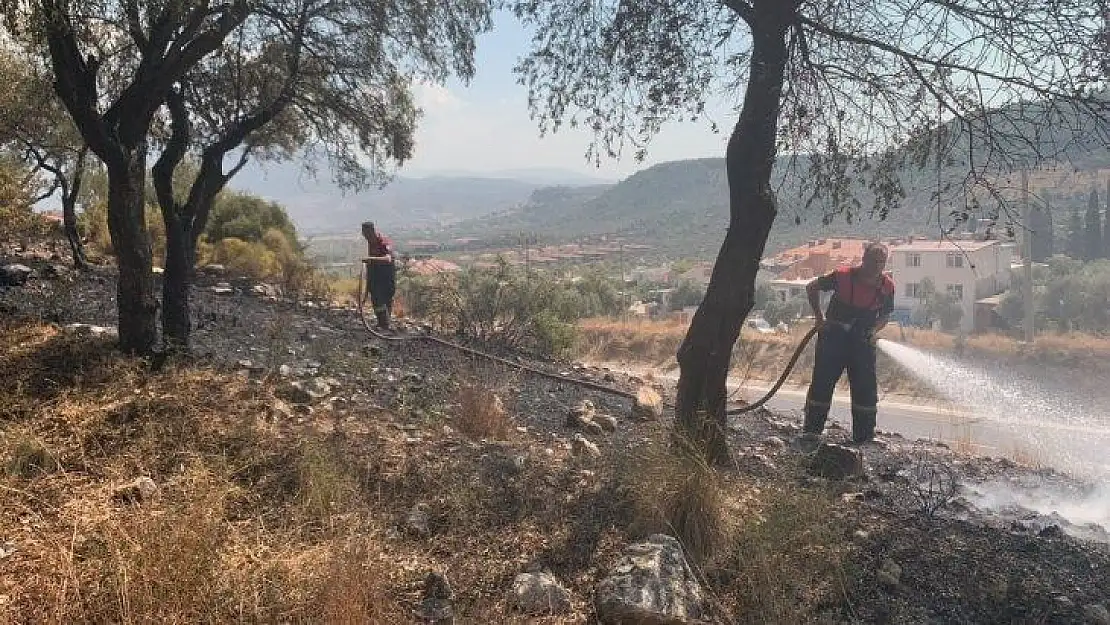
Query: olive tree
x=36, y=129
x=314, y=78
x=114, y=63
x=849, y=92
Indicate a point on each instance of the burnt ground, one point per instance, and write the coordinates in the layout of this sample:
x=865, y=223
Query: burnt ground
x=914, y=512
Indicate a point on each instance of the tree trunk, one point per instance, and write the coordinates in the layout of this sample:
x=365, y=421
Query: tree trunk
x=138, y=328
x=706, y=352
x=69, y=223
x=175, y=286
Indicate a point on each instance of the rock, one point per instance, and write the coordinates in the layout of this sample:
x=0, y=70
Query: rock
x=860, y=536
x=15, y=274
x=1064, y=603
x=214, y=269
x=265, y=290
x=648, y=404
x=84, y=329
x=889, y=575
x=223, y=288
x=774, y=442
x=7, y=549
x=836, y=462
x=582, y=411
x=245, y=364
x=55, y=271
x=281, y=410
x=539, y=593
x=651, y=584
x=1096, y=614
x=581, y=446
x=438, y=604
x=138, y=491
x=294, y=393
x=416, y=521
x=285, y=371
x=607, y=422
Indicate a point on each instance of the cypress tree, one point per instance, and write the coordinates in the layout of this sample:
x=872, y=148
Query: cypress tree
x=1093, y=240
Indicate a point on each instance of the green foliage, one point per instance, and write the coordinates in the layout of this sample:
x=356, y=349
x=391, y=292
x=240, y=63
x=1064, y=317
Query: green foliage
x=17, y=219
x=507, y=306
x=938, y=307
x=248, y=218
x=1071, y=295
x=776, y=311
x=687, y=293
x=1093, y=238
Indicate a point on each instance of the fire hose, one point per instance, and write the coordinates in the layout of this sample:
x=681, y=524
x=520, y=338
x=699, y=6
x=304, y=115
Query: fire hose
x=558, y=377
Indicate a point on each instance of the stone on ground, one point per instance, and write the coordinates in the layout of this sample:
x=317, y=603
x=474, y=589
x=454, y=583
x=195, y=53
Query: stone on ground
x=836, y=462
x=581, y=446
x=539, y=593
x=648, y=404
x=438, y=604
x=15, y=274
x=651, y=584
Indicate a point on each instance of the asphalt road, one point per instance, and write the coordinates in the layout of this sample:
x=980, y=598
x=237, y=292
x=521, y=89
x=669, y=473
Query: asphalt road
x=1079, y=448
x=1048, y=443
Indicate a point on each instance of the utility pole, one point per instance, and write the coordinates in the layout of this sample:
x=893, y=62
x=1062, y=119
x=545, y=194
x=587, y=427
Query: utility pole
x=1028, y=253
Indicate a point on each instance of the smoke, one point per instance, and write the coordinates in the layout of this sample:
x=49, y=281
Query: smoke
x=1081, y=514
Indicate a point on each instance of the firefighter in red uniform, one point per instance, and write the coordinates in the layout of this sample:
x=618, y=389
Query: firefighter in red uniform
x=863, y=298
x=381, y=273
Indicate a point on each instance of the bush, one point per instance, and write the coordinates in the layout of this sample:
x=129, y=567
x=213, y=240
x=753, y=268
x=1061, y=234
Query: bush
x=502, y=306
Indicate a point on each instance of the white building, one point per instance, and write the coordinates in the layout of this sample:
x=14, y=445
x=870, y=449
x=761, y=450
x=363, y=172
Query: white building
x=966, y=269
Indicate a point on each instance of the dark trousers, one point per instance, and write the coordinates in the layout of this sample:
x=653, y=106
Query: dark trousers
x=381, y=285
x=839, y=350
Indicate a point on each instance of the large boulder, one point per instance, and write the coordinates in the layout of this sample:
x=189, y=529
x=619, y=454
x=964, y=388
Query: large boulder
x=539, y=593
x=652, y=584
x=836, y=462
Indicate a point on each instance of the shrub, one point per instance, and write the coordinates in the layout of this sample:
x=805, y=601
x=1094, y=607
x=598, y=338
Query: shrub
x=481, y=413
x=501, y=306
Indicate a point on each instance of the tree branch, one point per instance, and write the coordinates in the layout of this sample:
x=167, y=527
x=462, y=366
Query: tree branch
x=741, y=8
x=172, y=154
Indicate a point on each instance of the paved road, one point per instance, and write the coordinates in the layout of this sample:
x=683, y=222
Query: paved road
x=1076, y=447
x=1049, y=443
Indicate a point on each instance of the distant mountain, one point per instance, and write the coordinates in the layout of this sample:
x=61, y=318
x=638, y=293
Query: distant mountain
x=680, y=208
x=317, y=205
x=540, y=176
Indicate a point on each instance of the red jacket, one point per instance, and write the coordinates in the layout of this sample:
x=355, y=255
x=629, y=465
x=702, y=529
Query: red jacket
x=855, y=299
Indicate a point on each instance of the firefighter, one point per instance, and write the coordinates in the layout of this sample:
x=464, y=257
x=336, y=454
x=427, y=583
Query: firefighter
x=381, y=273
x=863, y=298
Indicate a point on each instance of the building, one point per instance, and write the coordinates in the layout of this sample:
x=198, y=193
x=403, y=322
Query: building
x=816, y=258
x=971, y=271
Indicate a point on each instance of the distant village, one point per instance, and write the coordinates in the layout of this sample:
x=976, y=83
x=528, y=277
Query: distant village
x=972, y=270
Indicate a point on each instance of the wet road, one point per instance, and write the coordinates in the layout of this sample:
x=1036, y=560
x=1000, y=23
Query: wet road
x=1063, y=445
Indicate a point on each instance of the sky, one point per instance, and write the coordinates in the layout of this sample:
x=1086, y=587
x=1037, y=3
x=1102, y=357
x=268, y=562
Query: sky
x=485, y=126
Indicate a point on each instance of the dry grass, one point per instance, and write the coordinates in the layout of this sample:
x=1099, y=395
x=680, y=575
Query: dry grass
x=671, y=492
x=481, y=413
x=241, y=528
x=788, y=557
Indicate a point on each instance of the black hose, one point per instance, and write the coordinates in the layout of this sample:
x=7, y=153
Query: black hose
x=361, y=299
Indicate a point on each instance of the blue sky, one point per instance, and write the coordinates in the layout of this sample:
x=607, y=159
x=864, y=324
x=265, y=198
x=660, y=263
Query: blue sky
x=485, y=127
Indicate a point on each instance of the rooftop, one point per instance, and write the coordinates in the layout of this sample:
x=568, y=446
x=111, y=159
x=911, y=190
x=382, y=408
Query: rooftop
x=942, y=246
